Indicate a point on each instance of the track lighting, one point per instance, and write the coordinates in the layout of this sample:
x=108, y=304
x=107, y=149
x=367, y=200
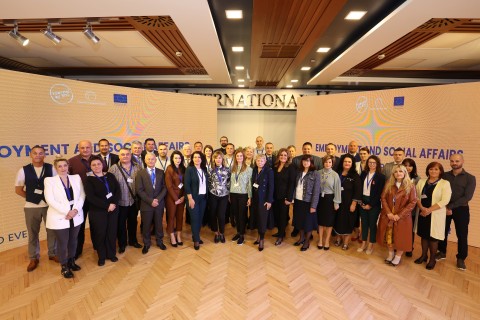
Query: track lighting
x=17, y=36
x=88, y=32
x=50, y=35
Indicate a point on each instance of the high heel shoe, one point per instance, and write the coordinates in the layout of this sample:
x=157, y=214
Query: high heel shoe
x=421, y=260
x=431, y=264
x=299, y=243
x=279, y=241
x=260, y=245
x=305, y=248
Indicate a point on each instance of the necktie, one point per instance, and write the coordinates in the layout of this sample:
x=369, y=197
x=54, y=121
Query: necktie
x=106, y=162
x=152, y=177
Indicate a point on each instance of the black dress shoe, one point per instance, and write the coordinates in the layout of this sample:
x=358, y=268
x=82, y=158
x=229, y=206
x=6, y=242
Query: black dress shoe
x=319, y=247
x=66, y=272
x=260, y=245
x=196, y=246
x=303, y=248
x=72, y=265
x=236, y=237
x=431, y=264
x=114, y=259
x=222, y=238
x=173, y=244
x=200, y=242
x=326, y=248
x=180, y=243
x=145, y=250
x=162, y=246
x=136, y=245
x=101, y=263
x=408, y=254
x=421, y=260
x=122, y=249
x=216, y=239
x=256, y=242
x=299, y=243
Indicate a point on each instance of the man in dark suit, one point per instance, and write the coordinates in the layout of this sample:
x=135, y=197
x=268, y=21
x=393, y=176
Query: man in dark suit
x=331, y=150
x=137, y=149
x=150, y=185
x=150, y=147
x=307, y=149
x=271, y=158
x=108, y=158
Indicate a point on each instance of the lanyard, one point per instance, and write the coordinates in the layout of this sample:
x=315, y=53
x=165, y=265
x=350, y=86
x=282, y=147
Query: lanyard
x=41, y=174
x=304, y=174
x=237, y=174
x=161, y=164
x=85, y=164
x=369, y=182
x=218, y=176
x=129, y=172
x=200, y=176
x=180, y=176
x=105, y=182
x=67, y=189
x=229, y=164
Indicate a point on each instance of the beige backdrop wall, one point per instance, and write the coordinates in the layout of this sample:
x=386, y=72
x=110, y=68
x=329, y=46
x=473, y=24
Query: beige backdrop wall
x=429, y=122
x=58, y=113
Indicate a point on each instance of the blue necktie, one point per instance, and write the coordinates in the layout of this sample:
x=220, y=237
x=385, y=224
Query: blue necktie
x=152, y=177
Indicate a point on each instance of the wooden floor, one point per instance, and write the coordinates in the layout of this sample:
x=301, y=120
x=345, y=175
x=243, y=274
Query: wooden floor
x=226, y=281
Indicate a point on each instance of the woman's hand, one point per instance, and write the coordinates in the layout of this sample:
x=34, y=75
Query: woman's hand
x=336, y=206
x=111, y=207
x=249, y=202
x=353, y=206
x=267, y=205
x=313, y=210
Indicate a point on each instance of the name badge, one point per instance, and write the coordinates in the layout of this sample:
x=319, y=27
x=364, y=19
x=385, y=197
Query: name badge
x=72, y=202
x=255, y=185
x=109, y=195
x=180, y=186
x=424, y=196
x=89, y=174
x=342, y=188
x=236, y=184
x=323, y=194
x=129, y=180
x=38, y=191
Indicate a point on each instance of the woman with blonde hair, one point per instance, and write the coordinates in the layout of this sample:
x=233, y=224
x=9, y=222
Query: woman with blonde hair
x=395, y=223
x=248, y=153
x=240, y=193
x=218, y=185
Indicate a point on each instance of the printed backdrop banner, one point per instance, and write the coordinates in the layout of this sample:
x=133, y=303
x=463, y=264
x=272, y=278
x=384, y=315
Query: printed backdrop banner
x=58, y=113
x=430, y=123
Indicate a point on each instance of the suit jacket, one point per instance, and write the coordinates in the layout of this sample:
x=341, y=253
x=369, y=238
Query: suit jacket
x=387, y=169
x=376, y=188
x=172, y=181
x=112, y=159
x=317, y=162
x=144, y=153
x=192, y=183
x=284, y=182
x=272, y=163
x=441, y=195
x=265, y=184
x=58, y=204
x=146, y=192
x=138, y=162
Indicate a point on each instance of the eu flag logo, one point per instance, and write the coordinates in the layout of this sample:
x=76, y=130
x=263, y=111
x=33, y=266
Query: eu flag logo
x=398, y=101
x=119, y=98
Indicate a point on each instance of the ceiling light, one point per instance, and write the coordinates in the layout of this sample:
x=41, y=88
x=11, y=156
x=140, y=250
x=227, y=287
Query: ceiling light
x=355, y=15
x=50, y=35
x=239, y=67
x=241, y=80
x=237, y=49
x=88, y=32
x=17, y=36
x=323, y=49
x=305, y=68
x=289, y=86
x=241, y=86
x=294, y=81
x=381, y=56
x=234, y=14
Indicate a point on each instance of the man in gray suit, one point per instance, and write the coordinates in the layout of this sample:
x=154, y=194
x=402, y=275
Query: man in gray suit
x=398, y=156
x=150, y=185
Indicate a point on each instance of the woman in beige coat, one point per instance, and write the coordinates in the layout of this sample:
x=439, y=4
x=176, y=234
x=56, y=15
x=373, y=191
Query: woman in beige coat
x=433, y=195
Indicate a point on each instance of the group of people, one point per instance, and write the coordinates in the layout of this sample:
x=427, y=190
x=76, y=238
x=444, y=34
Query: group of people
x=251, y=187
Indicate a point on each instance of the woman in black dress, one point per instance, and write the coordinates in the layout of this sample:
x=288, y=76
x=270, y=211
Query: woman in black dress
x=103, y=193
x=262, y=198
x=351, y=194
x=307, y=193
x=284, y=177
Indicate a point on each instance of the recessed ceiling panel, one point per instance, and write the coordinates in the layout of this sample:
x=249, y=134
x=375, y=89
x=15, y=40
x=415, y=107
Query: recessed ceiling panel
x=95, y=61
x=37, y=62
x=399, y=64
x=462, y=64
x=154, y=61
x=450, y=40
x=124, y=39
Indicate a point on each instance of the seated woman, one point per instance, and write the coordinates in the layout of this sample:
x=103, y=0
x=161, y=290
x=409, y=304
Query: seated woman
x=103, y=193
x=433, y=194
x=395, y=224
x=65, y=197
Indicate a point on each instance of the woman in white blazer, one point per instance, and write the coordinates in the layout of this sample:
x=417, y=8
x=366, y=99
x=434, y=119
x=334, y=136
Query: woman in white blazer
x=65, y=196
x=433, y=195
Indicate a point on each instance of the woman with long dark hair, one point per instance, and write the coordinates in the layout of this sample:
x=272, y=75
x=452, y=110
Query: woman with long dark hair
x=175, y=199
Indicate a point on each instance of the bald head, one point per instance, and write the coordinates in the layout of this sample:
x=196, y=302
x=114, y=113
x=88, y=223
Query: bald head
x=456, y=161
x=85, y=148
x=353, y=147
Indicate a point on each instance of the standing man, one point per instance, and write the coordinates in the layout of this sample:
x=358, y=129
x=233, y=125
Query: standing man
x=230, y=150
x=79, y=164
x=29, y=185
x=269, y=155
x=398, y=156
x=353, y=150
x=331, y=150
x=108, y=158
x=162, y=160
x=137, y=149
x=223, y=145
x=463, y=186
x=198, y=146
x=126, y=172
x=187, y=153
x=150, y=147
x=150, y=185
x=307, y=149
x=259, y=142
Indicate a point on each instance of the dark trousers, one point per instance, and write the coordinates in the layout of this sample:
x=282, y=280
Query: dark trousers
x=239, y=209
x=196, y=216
x=104, y=227
x=217, y=206
x=280, y=213
x=152, y=216
x=461, y=218
x=127, y=225
x=66, y=242
x=81, y=232
x=369, y=222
